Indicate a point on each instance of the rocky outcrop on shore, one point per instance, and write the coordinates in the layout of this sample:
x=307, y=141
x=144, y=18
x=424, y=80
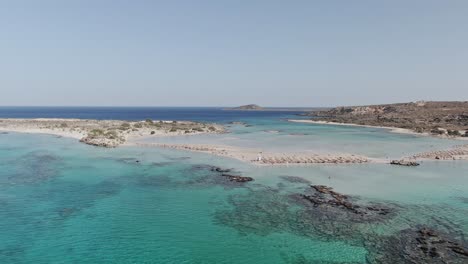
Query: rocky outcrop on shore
x=107, y=133
x=437, y=118
x=102, y=141
x=408, y=163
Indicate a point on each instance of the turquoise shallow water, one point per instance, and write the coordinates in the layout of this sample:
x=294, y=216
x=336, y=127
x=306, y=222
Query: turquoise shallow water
x=65, y=202
x=284, y=136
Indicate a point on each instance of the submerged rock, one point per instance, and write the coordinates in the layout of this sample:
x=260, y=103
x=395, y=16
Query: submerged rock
x=66, y=212
x=325, y=197
x=218, y=169
x=295, y=179
x=237, y=178
x=217, y=175
x=422, y=245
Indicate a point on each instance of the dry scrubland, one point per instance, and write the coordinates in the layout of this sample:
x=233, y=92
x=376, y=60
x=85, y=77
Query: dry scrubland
x=436, y=118
x=107, y=133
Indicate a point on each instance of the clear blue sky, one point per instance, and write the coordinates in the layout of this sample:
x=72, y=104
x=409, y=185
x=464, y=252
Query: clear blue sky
x=223, y=53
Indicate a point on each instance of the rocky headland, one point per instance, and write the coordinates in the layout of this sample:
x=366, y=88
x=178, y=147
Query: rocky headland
x=448, y=119
x=107, y=133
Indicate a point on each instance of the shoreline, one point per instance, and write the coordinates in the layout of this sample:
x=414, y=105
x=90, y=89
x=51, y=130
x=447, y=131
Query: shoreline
x=80, y=129
x=249, y=155
x=397, y=130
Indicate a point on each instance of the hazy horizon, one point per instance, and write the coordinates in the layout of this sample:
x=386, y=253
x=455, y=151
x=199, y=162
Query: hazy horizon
x=205, y=106
x=223, y=54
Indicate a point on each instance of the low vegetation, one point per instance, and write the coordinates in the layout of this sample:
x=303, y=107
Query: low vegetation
x=110, y=133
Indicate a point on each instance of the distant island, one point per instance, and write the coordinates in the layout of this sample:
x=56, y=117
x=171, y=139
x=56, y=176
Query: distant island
x=255, y=107
x=248, y=107
x=434, y=118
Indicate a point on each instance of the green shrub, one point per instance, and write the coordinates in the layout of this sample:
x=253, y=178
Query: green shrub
x=111, y=134
x=149, y=121
x=96, y=132
x=138, y=125
x=437, y=131
x=453, y=132
x=173, y=129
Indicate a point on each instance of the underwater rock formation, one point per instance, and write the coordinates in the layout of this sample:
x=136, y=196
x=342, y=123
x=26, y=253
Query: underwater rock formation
x=325, y=197
x=237, y=178
x=421, y=245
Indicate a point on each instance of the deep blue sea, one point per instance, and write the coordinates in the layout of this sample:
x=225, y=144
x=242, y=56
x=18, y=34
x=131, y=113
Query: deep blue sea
x=206, y=114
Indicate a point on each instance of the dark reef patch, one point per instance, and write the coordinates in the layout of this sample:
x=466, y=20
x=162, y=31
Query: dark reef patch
x=325, y=199
x=212, y=175
x=72, y=198
x=12, y=253
x=264, y=210
x=177, y=158
x=301, y=259
x=237, y=178
x=162, y=164
x=462, y=199
x=35, y=167
x=419, y=245
x=127, y=160
x=155, y=181
x=295, y=179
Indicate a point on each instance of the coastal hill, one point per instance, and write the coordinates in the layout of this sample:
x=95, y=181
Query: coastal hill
x=247, y=107
x=437, y=118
